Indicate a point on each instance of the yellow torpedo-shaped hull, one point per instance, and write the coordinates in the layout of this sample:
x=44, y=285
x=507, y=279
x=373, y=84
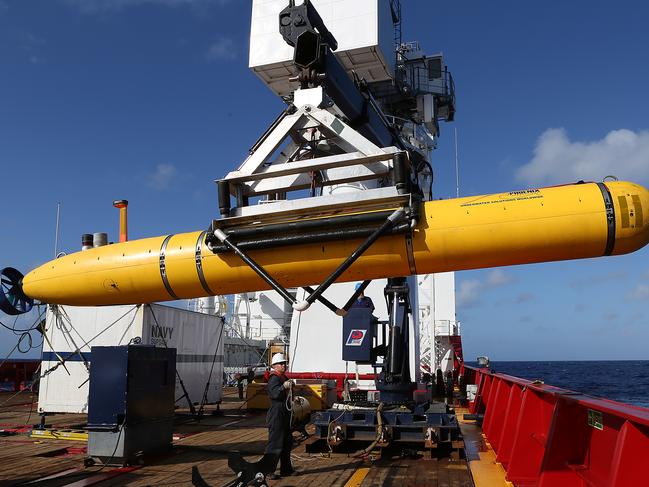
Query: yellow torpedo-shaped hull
x=521, y=227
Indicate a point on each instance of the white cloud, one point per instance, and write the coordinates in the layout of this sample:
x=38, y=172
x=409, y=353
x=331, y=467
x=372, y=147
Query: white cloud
x=98, y=6
x=162, y=177
x=524, y=298
x=622, y=153
x=472, y=289
x=597, y=279
x=640, y=293
x=498, y=278
x=469, y=294
x=221, y=50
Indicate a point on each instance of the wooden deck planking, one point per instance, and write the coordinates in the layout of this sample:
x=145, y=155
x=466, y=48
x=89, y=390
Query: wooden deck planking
x=207, y=444
x=34, y=468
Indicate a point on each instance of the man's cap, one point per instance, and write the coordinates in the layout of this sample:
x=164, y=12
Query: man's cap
x=358, y=286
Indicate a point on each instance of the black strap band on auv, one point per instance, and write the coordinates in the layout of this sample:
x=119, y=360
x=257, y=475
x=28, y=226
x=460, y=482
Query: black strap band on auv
x=610, y=218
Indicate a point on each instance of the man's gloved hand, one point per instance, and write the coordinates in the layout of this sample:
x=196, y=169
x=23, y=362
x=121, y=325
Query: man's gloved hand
x=288, y=383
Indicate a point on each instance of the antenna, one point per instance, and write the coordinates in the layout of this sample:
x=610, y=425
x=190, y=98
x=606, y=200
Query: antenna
x=457, y=168
x=56, y=236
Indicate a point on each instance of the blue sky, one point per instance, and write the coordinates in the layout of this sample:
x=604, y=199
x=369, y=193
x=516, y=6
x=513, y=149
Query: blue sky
x=151, y=100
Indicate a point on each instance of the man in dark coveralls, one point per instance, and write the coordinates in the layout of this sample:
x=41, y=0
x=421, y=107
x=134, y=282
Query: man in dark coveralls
x=278, y=418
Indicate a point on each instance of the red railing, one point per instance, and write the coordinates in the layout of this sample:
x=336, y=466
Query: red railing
x=545, y=436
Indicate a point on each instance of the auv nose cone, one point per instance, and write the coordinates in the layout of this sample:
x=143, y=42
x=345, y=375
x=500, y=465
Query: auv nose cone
x=38, y=283
x=631, y=210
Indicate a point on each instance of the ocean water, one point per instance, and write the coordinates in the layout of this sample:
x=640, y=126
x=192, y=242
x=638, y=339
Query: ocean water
x=625, y=381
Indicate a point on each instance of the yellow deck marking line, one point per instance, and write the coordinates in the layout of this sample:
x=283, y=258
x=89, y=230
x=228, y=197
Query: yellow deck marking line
x=357, y=478
x=60, y=434
x=485, y=469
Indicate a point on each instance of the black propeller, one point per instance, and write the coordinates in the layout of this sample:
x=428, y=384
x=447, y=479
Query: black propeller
x=13, y=300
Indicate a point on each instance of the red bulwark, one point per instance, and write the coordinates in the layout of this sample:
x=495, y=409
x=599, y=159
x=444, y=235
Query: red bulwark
x=545, y=436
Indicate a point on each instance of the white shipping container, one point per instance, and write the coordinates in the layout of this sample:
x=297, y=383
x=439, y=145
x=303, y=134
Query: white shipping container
x=71, y=332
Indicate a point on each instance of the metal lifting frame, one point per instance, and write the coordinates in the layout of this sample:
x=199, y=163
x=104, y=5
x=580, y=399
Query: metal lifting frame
x=351, y=157
x=366, y=214
x=314, y=143
x=316, y=294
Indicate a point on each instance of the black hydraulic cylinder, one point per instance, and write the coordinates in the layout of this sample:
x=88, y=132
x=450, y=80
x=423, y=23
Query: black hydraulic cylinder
x=302, y=226
x=401, y=177
x=265, y=242
x=395, y=351
x=223, y=188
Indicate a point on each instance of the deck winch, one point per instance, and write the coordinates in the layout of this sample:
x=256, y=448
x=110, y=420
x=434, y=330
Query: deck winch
x=390, y=414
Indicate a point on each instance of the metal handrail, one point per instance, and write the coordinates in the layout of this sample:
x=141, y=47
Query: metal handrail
x=422, y=83
x=446, y=327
